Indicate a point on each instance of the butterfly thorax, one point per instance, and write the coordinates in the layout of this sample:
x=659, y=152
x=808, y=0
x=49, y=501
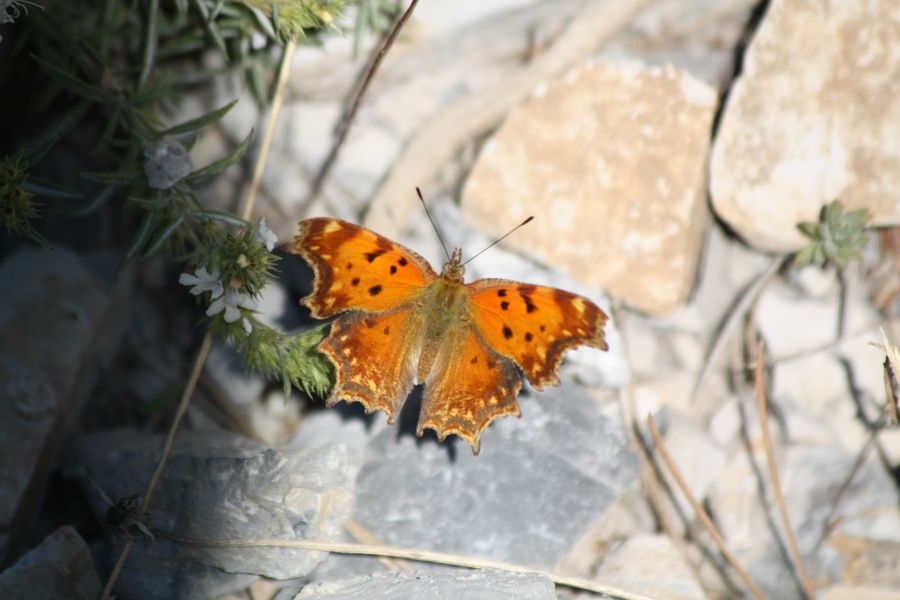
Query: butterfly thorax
x=446, y=309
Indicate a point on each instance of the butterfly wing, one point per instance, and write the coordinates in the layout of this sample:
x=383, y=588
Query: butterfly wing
x=469, y=386
x=534, y=325
x=372, y=284
x=375, y=356
x=357, y=269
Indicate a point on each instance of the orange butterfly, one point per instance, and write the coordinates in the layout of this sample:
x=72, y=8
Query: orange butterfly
x=399, y=323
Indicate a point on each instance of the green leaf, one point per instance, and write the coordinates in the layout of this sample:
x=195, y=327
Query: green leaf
x=39, y=187
x=97, y=201
x=42, y=144
x=72, y=83
x=805, y=256
x=120, y=178
x=222, y=164
x=148, y=57
x=263, y=22
x=199, y=122
x=809, y=229
x=211, y=28
x=141, y=237
x=224, y=217
x=164, y=235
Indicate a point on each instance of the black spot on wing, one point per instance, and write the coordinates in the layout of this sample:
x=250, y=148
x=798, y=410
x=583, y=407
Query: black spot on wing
x=528, y=336
x=504, y=305
x=501, y=293
x=371, y=256
x=387, y=330
x=474, y=360
x=374, y=290
x=393, y=269
x=507, y=332
x=354, y=281
x=402, y=262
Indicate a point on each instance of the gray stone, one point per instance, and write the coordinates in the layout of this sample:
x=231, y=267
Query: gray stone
x=537, y=485
x=218, y=487
x=60, y=567
x=812, y=118
x=611, y=160
x=483, y=585
x=54, y=321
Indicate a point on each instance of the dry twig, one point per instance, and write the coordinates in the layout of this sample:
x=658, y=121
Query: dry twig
x=698, y=509
x=806, y=581
x=347, y=121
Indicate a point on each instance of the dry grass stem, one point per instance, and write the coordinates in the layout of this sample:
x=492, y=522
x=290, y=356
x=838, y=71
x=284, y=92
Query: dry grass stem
x=287, y=60
x=806, y=581
x=347, y=121
x=698, y=509
x=161, y=464
x=364, y=535
x=429, y=556
x=733, y=318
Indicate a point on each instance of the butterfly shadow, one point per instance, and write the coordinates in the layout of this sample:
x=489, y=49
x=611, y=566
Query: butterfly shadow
x=408, y=420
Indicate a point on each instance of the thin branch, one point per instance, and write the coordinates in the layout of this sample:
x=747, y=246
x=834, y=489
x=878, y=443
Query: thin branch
x=364, y=535
x=167, y=448
x=806, y=581
x=442, y=558
x=347, y=121
x=733, y=318
x=287, y=60
x=698, y=509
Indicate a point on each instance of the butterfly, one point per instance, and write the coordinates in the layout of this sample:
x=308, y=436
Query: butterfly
x=399, y=323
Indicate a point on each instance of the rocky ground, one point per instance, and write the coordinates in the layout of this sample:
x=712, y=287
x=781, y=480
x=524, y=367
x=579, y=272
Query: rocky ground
x=668, y=151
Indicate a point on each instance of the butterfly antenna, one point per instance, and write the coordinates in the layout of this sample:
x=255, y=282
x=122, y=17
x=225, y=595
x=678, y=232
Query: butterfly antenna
x=500, y=239
x=425, y=206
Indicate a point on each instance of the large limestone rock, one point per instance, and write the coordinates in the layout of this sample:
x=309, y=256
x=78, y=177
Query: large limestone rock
x=814, y=117
x=610, y=159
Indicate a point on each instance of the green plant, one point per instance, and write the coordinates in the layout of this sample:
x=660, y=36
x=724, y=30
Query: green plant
x=836, y=238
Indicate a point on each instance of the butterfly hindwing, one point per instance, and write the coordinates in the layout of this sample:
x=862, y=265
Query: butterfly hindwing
x=469, y=386
x=534, y=325
x=357, y=269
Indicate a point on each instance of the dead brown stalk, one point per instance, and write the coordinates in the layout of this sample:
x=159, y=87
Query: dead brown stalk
x=806, y=581
x=700, y=512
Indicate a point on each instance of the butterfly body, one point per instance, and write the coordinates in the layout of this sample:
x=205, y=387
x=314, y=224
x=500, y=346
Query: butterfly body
x=399, y=323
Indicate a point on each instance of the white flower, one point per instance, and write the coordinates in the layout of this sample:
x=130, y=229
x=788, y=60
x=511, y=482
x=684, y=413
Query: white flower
x=10, y=10
x=232, y=302
x=203, y=281
x=264, y=235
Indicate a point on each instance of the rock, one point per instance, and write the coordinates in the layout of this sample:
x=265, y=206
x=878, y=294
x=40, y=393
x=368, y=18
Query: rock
x=611, y=161
x=698, y=456
x=430, y=585
x=698, y=36
x=54, y=323
x=811, y=478
x=60, y=567
x=812, y=118
x=537, y=485
x=650, y=565
x=869, y=548
x=218, y=487
x=843, y=592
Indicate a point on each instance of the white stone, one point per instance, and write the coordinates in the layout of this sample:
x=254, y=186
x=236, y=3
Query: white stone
x=813, y=118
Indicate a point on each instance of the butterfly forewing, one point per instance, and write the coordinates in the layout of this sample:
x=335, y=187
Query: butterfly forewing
x=534, y=325
x=357, y=269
